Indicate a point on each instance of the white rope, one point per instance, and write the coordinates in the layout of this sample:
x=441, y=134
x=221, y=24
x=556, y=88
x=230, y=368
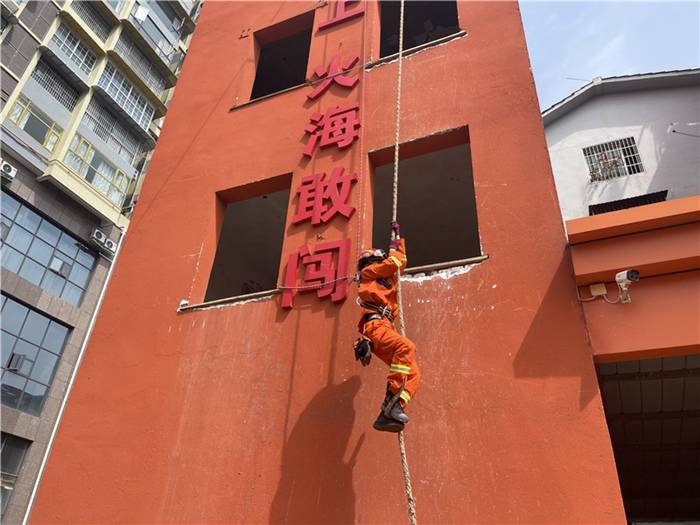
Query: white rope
x=402, y=447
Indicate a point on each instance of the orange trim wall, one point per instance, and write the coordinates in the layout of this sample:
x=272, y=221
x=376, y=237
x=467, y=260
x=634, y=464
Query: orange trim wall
x=662, y=242
x=248, y=413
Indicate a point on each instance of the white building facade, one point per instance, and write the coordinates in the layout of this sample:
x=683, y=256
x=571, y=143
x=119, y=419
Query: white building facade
x=621, y=142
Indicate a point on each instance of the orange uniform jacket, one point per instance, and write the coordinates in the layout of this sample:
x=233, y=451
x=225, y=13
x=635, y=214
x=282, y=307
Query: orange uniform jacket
x=378, y=282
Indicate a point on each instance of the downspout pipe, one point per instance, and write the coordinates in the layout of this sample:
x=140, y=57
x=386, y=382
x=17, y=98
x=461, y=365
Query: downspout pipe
x=91, y=327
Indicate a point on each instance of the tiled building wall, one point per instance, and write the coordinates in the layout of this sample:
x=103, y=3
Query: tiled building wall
x=50, y=202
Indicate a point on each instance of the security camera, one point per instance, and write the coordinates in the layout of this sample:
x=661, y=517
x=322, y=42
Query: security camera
x=627, y=277
x=624, y=279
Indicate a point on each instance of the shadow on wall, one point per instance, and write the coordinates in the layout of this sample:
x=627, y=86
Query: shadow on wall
x=316, y=484
x=556, y=344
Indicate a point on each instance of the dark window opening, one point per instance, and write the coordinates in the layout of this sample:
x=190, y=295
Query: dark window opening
x=436, y=203
x=424, y=21
x=624, y=204
x=284, y=55
x=250, y=246
x=652, y=407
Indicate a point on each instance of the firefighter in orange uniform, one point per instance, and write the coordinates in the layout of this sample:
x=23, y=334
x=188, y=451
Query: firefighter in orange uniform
x=377, y=282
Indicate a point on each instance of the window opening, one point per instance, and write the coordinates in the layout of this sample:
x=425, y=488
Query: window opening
x=71, y=44
x=249, y=250
x=436, y=206
x=85, y=160
x=29, y=245
x=624, y=204
x=35, y=123
x=651, y=407
x=284, y=55
x=613, y=160
x=55, y=84
x=13, y=451
x=424, y=21
x=40, y=341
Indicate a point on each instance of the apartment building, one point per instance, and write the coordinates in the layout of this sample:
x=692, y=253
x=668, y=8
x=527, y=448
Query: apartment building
x=85, y=88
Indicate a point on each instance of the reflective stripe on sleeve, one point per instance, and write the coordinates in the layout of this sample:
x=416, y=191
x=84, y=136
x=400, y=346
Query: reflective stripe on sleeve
x=400, y=369
x=396, y=261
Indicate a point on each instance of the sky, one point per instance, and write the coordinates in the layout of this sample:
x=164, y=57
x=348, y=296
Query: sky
x=584, y=40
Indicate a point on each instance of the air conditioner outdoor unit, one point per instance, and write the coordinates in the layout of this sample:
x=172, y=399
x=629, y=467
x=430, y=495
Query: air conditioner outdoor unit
x=7, y=170
x=98, y=237
x=111, y=245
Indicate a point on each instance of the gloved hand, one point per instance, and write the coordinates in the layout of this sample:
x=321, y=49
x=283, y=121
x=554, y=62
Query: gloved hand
x=395, y=226
x=394, y=245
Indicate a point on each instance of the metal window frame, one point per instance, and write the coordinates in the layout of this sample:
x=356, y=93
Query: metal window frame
x=39, y=348
x=107, y=126
x=92, y=19
x=55, y=84
x=134, y=103
x=613, y=160
x=25, y=255
x=126, y=180
x=54, y=129
x=130, y=51
x=78, y=52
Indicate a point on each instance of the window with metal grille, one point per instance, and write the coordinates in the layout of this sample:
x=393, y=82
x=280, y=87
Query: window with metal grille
x=78, y=52
x=3, y=26
x=94, y=167
x=140, y=63
x=40, y=340
x=55, y=84
x=155, y=37
x=43, y=254
x=613, y=160
x=92, y=19
x=126, y=95
x=14, y=449
x=106, y=126
x=35, y=123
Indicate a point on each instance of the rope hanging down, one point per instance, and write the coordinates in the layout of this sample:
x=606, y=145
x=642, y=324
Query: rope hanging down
x=402, y=447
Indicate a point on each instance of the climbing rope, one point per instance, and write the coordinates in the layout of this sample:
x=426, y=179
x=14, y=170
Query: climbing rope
x=402, y=447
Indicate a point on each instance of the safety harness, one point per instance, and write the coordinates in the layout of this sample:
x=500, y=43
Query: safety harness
x=378, y=308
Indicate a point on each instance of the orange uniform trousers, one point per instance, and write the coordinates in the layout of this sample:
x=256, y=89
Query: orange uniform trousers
x=399, y=353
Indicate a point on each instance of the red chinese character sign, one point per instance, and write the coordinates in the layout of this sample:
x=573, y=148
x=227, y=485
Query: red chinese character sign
x=319, y=275
x=341, y=15
x=337, y=127
x=333, y=74
x=314, y=190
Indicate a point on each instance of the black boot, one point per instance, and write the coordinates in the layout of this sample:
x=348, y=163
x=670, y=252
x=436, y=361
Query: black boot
x=397, y=412
x=384, y=424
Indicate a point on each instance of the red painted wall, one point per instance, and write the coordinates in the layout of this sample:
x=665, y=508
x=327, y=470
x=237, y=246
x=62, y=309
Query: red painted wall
x=251, y=414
